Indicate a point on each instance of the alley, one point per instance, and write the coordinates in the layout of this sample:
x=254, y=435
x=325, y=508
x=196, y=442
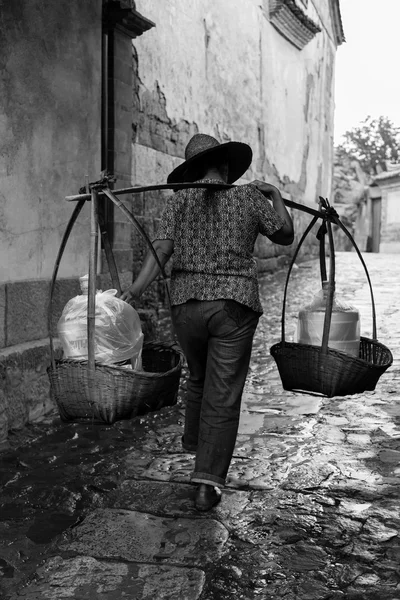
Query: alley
x=311, y=509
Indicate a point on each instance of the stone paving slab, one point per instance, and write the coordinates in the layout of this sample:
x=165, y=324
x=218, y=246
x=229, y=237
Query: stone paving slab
x=86, y=578
x=176, y=500
x=141, y=537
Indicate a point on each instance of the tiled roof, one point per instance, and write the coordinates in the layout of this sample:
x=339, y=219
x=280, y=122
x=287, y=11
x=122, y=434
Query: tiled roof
x=387, y=175
x=292, y=22
x=337, y=22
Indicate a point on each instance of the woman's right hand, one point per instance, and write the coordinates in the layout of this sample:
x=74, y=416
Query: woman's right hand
x=130, y=296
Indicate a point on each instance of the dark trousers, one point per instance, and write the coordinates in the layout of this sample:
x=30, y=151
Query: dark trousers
x=216, y=337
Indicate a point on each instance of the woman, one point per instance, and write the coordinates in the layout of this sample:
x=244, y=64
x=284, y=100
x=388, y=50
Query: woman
x=214, y=293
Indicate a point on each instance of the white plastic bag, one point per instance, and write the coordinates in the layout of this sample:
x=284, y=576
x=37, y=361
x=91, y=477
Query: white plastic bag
x=118, y=332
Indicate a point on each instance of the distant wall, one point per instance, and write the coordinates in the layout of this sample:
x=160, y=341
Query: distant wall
x=390, y=224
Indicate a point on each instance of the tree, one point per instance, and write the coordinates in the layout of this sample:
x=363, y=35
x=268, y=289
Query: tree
x=372, y=143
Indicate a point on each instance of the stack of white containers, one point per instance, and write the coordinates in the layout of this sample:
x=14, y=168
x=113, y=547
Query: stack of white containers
x=344, y=333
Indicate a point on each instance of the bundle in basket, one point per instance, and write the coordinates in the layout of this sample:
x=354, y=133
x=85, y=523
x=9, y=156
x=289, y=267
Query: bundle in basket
x=114, y=392
x=321, y=369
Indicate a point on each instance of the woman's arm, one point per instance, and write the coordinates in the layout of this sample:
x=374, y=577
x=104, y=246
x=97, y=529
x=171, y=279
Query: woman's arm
x=285, y=235
x=149, y=270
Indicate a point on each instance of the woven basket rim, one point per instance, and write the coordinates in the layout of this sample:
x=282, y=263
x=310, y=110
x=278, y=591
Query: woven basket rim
x=129, y=372
x=338, y=353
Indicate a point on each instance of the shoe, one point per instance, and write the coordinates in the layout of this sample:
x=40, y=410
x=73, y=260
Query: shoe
x=207, y=496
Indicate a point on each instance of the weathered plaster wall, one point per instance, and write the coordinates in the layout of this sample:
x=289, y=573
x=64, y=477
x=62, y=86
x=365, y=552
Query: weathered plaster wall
x=50, y=61
x=226, y=71
x=50, y=55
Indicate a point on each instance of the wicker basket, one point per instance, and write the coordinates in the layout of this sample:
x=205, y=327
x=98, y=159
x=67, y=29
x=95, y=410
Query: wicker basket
x=88, y=390
x=119, y=393
x=305, y=368
x=320, y=369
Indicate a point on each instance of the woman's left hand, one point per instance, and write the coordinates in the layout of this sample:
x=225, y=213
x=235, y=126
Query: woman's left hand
x=266, y=188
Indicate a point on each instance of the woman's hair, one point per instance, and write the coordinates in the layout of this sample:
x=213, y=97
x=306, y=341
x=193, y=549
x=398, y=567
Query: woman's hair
x=197, y=171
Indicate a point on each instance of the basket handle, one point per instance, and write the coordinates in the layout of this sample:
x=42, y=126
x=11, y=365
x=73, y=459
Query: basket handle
x=91, y=306
x=331, y=290
x=338, y=222
x=329, y=215
x=303, y=237
x=143, y=233
x=60, y=253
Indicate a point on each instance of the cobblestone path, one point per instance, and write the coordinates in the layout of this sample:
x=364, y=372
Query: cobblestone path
x=311, y=509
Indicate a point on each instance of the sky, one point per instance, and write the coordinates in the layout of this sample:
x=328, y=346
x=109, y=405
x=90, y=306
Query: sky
x=367, y=79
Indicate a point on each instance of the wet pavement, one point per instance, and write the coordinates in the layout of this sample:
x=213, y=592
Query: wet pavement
x=311, y=509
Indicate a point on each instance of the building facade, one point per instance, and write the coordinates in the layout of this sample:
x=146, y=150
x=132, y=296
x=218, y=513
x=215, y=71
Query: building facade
x=385, y=211
x=121, y=86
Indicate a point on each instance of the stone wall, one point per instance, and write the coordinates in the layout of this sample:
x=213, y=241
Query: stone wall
x=50, y=135
x=50, y=97
x=50, y=130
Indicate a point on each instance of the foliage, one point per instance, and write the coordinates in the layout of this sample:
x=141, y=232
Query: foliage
x=372, y=143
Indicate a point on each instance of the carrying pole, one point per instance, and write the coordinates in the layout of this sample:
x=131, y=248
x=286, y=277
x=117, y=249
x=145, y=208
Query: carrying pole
x=91, y=314
x=184, y=186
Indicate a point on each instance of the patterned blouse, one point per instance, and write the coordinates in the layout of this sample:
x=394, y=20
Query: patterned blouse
x=214, y=233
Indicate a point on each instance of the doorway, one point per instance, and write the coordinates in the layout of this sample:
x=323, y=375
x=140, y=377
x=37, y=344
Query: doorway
x=376, y=224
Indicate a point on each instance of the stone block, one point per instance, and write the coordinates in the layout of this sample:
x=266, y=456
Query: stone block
x=137, y=204
x=26, y=314
x=122, y=164
x=2, y=315
x=122, y=46
x=123, y=70
x=123, y=93
x=146, y=160
x=123, y=120
x=122, y=141
x=120, y=579
x=134, y=536
x=25, y=388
